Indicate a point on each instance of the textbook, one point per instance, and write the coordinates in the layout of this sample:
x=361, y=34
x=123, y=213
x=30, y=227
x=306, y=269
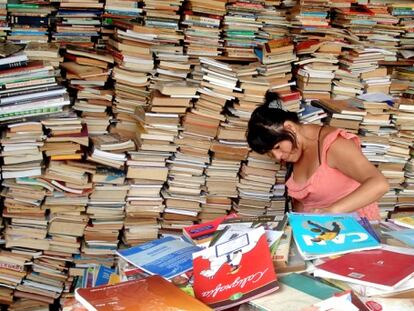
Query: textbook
x=322, y=235
x=376, y=268
x=167, y=256
x=233, y=272
x=150, y=293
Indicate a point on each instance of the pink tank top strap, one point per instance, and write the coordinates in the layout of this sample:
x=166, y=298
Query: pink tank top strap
x=331, y=137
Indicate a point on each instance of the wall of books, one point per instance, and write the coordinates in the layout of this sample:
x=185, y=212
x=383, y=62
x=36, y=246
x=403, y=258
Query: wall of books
x=125, y=120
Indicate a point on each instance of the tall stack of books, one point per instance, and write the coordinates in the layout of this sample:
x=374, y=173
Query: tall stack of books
x=316, y=69
x=4, y=22
x=29, y=21
x=274, y=20
x=257, y=178
x=124, y=10
x=77, y=23
x=203, y=20
x=29, y=88
x=15, y=269
x=26, y=225
x=405, y=13
x=164, y=19
x=200, y=30
x=87, y=72
x=241, y=29
x=131, y=49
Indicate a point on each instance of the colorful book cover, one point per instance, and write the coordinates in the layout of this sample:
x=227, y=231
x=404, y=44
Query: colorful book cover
x=167, y=256
x=103, y=275
x=151, y=293
x=204, y=230
x=235, y=271
x=318, y=235
x=376, y=268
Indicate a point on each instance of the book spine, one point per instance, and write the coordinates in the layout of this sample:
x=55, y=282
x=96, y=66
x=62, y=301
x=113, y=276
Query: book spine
x=33, y=21
x=29, y=83
x=23, y=92
x=13, y=65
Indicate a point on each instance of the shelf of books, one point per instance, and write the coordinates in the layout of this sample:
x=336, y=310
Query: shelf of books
x=124, y=154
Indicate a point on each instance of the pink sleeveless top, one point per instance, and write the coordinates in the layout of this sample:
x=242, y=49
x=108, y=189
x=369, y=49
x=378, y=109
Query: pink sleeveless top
x=327, y=185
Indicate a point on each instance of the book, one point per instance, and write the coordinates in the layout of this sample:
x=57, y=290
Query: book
x=168, y=256
x=376, y=268
x=233, y=227
x=322, y=235
x=309, y=285
x=202, y=233
x=150, y=293
x=286, y=298
x=9, y=48
x=405, y=221
x=236, y=271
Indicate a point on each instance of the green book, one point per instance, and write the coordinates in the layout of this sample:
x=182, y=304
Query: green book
x=309, y=285
x=22, y=6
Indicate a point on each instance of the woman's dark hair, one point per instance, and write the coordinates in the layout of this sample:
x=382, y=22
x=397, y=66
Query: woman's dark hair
x=265, y=127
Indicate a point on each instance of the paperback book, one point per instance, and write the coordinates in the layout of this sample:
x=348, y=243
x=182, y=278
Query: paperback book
x=233, y=272
x=322, y=235
x=168, y=256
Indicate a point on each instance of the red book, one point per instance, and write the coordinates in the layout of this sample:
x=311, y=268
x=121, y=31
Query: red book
x=151, y=293
x=205, y=229
x=376, y=268
x=233, y=272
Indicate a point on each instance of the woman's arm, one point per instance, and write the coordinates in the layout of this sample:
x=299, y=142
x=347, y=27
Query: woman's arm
x=347, y=157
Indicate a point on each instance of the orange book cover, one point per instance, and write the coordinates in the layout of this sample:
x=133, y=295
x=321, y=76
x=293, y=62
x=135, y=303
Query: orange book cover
x=151, y=293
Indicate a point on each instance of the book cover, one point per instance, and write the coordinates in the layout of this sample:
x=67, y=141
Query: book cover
x=203, y=232
x=236, y=271
x=233, y=227
x=152, y=293
x=167, y=256
x=376, y=268
x=318, y=235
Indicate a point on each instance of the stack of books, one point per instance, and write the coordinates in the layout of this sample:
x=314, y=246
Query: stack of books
x=87, y=72
x=343, y=113
x=203, y=20
x=241, y=29
x=131, y=49
x=29, y=88
x=46, y=52
x=4, y=22
x=77, y=23
x=257, y=177
x=29, y=21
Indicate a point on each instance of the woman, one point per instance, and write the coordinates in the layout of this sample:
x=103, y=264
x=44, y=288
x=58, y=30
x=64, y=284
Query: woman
x=330, y=173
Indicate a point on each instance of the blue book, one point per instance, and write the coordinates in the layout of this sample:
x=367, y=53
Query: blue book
x=167, y=256
x=322, y=235
x=103, y=275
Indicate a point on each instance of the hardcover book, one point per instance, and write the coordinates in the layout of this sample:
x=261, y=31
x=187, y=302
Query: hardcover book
x=318, y=235
x=236, y=271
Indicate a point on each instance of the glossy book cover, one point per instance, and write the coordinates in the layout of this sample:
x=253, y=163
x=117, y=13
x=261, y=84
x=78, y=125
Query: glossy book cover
x=230, y=273
x=152, y=293
x=321, y=235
